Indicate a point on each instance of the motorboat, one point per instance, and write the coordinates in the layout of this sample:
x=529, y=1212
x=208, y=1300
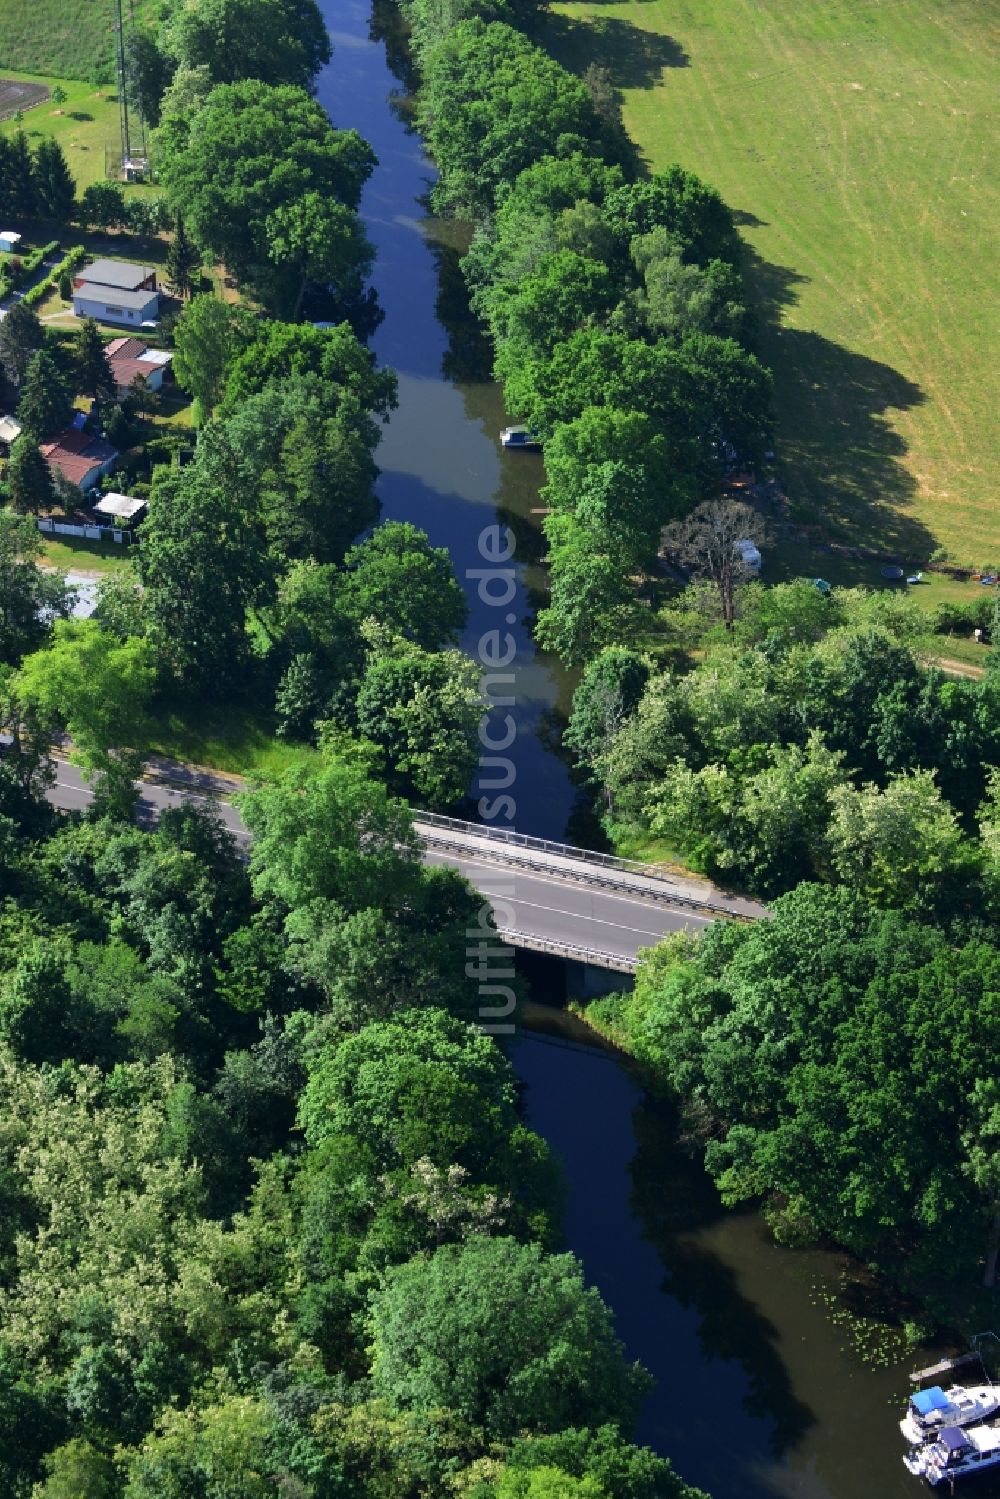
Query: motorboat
x=520, y=437
x=928, y=1411
x=954, y=1452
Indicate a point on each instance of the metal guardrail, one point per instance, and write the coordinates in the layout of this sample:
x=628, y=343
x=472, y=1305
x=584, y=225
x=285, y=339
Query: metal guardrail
x=597, y=869
x=595, y=956
x=542, y=845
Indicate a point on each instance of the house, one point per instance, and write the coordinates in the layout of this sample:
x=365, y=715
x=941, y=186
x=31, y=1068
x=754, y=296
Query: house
x=120, y=510
x=10, y=431
x=116, y=291
x=9, y=242
x=79, y=457
x=131, y=357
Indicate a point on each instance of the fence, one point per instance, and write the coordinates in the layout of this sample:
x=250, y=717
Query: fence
x=85, y=530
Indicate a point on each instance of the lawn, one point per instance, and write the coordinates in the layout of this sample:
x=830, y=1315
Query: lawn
x=67, y=38
x=85, y=124
x=856, y=144
x=80, y=556
x=229, y=738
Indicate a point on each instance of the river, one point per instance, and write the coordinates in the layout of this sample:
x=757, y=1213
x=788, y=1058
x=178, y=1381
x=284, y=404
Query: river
x=758, y=1393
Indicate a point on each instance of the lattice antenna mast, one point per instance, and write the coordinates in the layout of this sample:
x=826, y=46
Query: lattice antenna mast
x=133, y=126
x=139, y=121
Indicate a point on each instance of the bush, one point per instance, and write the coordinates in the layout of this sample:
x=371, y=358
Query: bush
x=66, y=267
x=66, y=286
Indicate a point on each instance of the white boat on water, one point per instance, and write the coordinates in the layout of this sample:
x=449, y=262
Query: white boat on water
x=520, y=437
x=928, y=1411
x=954, y=1452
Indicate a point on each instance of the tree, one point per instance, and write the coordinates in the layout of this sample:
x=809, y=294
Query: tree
x=421, y=1085
x=306, y=446
x=563, y=292
x=698, y=221
x=276, y=351
x=186, y=93
x=78, y=1468
x=620, y=1470
x=94, y=376
x=21, y=337
x=55, y=188
x=286, y=149
x=424, y=709
x=102, y=205
x=540, y=1357
x=183, y=260
x=28, y=596
x=28, y=477
x=232, y=1440
x=330, y=834
x=322, y=243
x=207, y=337
x=900, y=845
x=681, y=298
x=276, y=41
x=589, y=597
x=46, y=403
x=19, y=185
x=397, y=578
x=708, y=543
x=609, y=693
x=491, y=105
x=98, y=689
x=202, y=564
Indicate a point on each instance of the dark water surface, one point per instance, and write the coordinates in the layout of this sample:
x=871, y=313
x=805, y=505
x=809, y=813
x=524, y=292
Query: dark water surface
x=756, y=1395
x=442, y=464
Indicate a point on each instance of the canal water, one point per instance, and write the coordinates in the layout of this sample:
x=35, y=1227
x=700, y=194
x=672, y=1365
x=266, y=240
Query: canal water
x=758, y=1393
x=441, y=461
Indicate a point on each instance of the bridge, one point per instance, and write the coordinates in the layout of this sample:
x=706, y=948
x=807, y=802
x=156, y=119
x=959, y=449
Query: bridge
x=547, y=897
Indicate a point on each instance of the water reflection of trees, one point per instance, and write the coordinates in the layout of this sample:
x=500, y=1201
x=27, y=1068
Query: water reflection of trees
x=673, y=1199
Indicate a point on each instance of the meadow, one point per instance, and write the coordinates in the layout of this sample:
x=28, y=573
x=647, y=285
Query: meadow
x=63, y=38
x=85, y=124
x=855, y=141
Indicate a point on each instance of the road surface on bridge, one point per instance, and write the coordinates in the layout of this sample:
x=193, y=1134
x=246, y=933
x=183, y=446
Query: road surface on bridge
x=562, y=908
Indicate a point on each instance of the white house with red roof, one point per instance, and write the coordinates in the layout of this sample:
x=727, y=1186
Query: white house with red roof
x=79, y=457
x=132, y=358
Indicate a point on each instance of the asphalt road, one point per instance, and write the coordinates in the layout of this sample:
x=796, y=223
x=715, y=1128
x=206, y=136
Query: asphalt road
x=549, y=910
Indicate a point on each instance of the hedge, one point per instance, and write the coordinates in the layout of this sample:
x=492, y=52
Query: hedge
x=66, y=266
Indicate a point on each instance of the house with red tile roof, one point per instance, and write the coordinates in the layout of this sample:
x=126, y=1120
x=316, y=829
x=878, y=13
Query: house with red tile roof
x=79, y=457
x=130, y=358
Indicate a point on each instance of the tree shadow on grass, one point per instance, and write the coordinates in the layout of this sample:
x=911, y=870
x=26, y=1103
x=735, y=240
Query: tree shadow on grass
x=634, y=58
x=840, y=460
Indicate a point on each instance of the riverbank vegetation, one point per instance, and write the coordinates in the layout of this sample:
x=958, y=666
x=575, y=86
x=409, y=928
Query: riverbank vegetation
x=615, y=305
x=836, y=1061
x=784, y=739
x=811, y=741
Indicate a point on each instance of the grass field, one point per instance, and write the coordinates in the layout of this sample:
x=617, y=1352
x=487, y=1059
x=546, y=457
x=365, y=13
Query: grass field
x=68, y=38
x=84, y=124
x=856, y=143
x=230, y=738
